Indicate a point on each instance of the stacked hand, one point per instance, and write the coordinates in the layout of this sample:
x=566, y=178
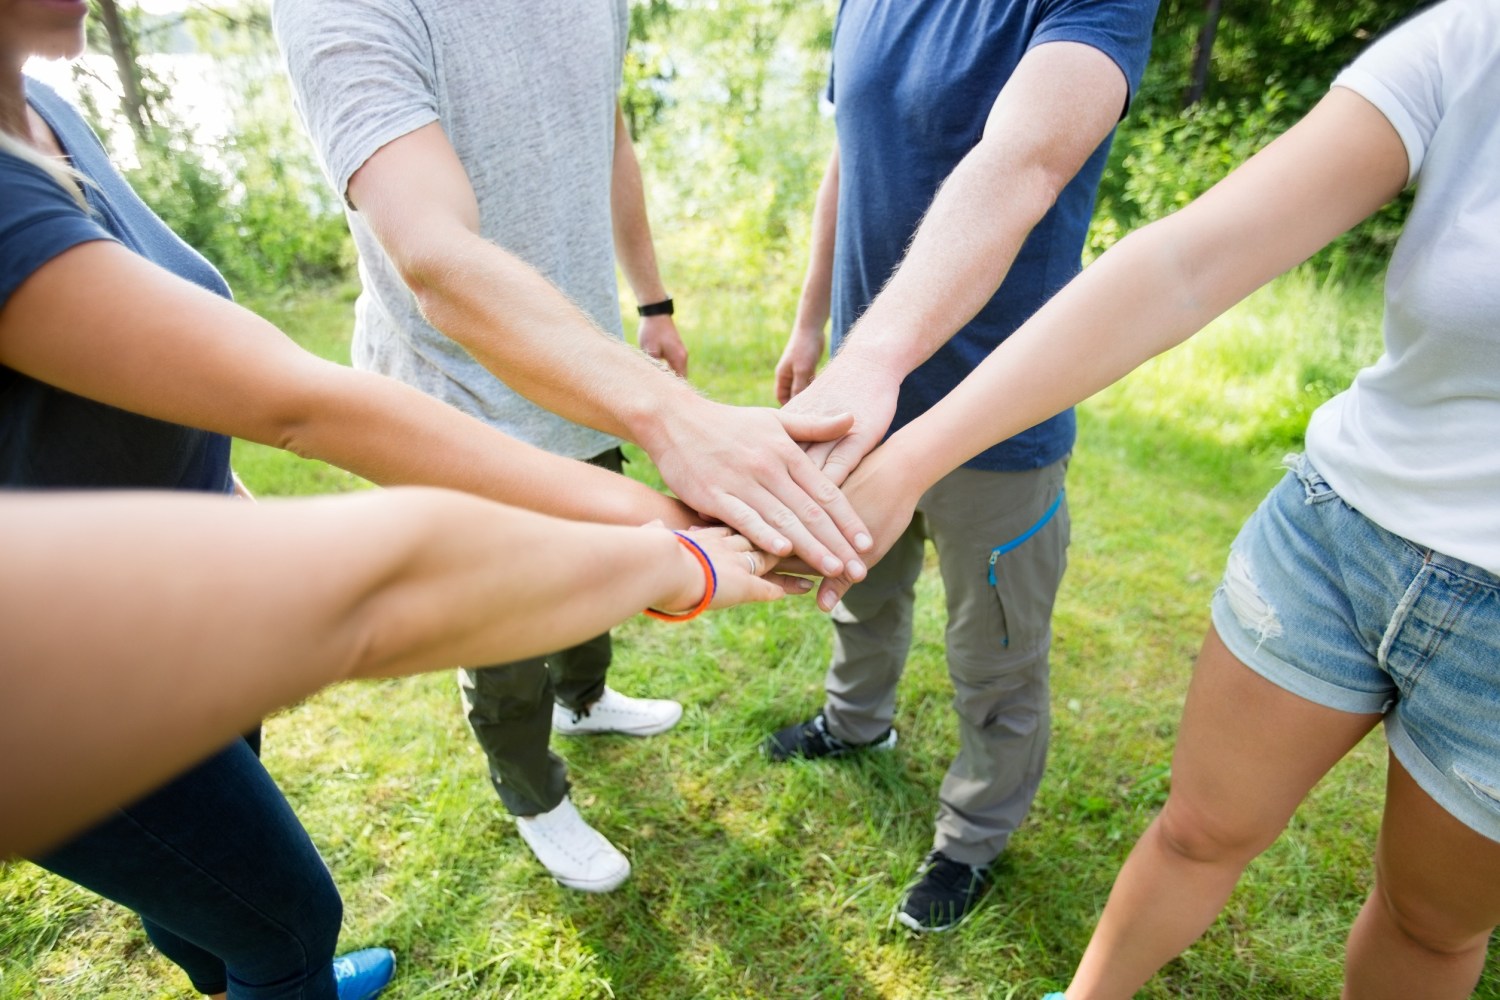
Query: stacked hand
x=743, y=466
x=743, y=573
x=871, y=485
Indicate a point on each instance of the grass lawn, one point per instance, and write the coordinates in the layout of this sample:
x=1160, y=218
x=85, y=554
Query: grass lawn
x=754, y=880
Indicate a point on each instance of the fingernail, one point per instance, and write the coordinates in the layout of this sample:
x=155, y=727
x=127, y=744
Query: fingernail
x=832, y=566
x=803, y=585
x=863, y=541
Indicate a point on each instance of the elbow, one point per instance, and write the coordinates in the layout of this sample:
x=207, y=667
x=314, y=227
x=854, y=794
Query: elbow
x=427, y=275
x=297, y=414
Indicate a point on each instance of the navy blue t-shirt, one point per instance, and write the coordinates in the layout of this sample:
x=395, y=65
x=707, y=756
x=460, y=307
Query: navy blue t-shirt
x=913, y=82
x=52, y=438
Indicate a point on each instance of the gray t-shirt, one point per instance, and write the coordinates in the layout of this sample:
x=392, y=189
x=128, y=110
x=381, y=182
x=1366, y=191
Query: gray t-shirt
x=526, y=92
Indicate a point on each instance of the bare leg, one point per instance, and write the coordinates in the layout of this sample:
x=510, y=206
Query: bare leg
x=1426, y=926
x=1247, y=754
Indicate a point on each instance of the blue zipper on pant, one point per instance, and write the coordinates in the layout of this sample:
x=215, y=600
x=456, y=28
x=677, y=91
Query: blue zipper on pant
x=1020, y=539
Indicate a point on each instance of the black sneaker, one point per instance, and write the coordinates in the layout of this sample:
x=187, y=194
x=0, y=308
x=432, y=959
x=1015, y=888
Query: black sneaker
x=944, y=893
x=811, y=740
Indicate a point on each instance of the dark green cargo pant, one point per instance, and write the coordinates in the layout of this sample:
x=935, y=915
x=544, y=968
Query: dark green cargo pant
x=509, y=706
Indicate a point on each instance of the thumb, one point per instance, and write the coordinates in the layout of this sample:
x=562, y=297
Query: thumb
x=843, y=458
x=815, y=427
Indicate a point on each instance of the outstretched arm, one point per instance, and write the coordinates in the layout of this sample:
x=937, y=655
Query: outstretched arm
x=147, y=341
x=1150, y=292
x=111, y=614
x=656, y=335
x=1054, y=111
x=736, y=464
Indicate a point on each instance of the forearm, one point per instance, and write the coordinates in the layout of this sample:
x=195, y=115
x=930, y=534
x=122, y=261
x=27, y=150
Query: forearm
x=961, y=252
x=1053, y=112
x=634, y=248
x=817, y=285
x=392, y=434
x=518, y=583
x=1091, y=333
x=533, y=338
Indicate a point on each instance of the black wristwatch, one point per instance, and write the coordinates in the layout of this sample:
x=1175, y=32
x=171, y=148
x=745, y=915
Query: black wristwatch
x=662, y=308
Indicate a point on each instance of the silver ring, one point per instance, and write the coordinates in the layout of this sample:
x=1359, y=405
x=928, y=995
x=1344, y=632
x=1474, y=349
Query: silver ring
x=751, y=560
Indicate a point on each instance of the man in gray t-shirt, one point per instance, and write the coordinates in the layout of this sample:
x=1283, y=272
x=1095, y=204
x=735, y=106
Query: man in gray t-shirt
x=490, y=181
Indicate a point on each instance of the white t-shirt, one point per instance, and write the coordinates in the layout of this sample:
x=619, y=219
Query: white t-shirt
x=526, y=92
x=1414, y=443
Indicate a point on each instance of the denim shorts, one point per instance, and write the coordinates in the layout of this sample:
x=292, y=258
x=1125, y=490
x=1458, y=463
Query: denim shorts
x=1326, y=604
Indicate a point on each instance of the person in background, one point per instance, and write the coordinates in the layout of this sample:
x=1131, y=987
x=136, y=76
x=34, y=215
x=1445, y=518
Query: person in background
x=491, y=187
x=1366, y=587
x=971, y=140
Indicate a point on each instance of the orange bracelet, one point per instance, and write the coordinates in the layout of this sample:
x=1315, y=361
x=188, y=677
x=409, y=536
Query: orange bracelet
x=710, y=584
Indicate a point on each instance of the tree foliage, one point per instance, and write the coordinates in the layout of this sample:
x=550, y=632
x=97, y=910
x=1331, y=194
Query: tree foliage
x=251, y=200
x=722, y=97
x=1271, y=62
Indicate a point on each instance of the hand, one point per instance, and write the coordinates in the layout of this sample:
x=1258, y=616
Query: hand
x=742, y=466
x=744, y=572
x=848, y=385
x=799, y=363
x=886, y=497
x=658, y=338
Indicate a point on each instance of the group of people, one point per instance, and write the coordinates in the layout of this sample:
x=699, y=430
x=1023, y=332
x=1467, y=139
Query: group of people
x=492, y=190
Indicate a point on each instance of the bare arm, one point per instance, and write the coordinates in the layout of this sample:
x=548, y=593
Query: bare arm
x=804, y=348
x=657, y=335
x=1153, y=290
x=108, y=606
x=735, y=464
x=1059, y=104
x=146, y=341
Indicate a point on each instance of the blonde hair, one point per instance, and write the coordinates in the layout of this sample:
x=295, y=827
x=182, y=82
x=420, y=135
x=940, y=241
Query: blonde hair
x=66, y=177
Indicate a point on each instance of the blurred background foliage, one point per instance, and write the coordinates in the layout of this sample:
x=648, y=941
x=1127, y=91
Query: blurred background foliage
x=723, y=97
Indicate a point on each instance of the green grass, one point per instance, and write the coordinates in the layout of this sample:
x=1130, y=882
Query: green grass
x=760, y=881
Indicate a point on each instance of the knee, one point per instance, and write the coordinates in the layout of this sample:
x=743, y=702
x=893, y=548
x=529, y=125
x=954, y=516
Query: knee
x=290, y=939
x=1426, y=924
x=1195, y=834
x=503, y=694
x=875, y=604
x=1011, y=694
x=321, y=915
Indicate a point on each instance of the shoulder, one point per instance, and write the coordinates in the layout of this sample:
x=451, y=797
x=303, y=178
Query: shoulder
x=38, y=221
x=291, y=20
x=1121, y=29
x=1456, y=40
x=1442, y=62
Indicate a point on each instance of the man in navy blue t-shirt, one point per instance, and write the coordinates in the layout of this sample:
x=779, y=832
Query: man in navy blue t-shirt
x=971, y=138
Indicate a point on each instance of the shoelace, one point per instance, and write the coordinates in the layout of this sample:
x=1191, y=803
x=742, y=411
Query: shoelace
x=956, y=874
x=828, y=741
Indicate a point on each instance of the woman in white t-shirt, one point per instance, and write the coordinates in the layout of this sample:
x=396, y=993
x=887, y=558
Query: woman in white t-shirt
x=1367, y=585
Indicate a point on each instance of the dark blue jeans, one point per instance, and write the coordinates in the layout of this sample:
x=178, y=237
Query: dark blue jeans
x=224, y=878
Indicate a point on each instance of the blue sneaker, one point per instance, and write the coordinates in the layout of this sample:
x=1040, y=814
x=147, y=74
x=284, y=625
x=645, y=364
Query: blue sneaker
x=1054, y=996
x=361, y=975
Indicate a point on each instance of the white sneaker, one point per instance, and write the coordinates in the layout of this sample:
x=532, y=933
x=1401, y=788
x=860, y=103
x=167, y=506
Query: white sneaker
x=618, y=713
x=576, y=854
